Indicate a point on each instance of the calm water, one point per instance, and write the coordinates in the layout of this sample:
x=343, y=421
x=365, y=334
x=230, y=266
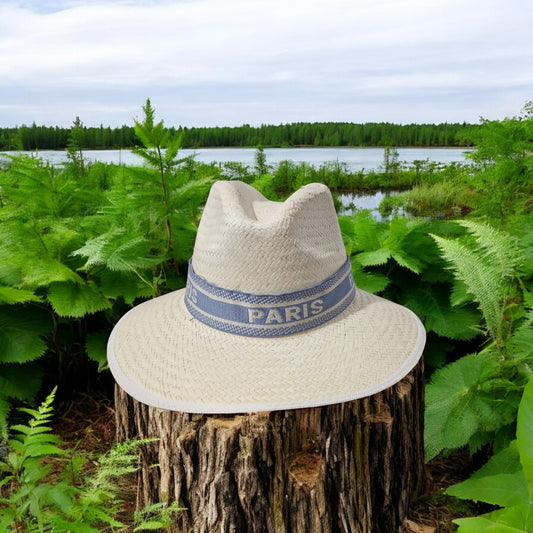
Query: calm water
x=355, y=159
x=352, y=202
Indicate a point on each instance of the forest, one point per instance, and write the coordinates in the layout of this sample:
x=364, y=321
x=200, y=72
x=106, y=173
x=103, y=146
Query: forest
x=82, y=243
x=284, y=135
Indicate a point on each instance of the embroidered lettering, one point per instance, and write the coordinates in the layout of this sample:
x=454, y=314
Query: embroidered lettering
x=269, y=315
x=317, y=307
x=274, y=316
x=292, y=313
x=255, y=314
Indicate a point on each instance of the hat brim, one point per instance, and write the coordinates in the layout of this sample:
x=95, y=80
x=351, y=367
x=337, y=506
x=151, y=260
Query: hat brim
x=160, y=355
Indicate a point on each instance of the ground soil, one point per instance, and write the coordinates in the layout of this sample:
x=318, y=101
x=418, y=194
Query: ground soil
x=88, y=423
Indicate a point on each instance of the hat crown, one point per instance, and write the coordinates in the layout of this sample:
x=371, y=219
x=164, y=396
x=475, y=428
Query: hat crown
x=250, y=244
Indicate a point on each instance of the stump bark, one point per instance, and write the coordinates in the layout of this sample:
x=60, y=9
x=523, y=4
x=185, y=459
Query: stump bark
x=350, y=467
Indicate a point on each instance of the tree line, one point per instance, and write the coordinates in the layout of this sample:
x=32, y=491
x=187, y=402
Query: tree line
x=36, y=137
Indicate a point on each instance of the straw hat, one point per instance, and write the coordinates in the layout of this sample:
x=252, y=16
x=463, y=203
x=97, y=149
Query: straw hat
x=270, y=318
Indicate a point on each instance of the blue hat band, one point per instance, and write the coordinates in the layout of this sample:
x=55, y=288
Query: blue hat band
x=269, y=315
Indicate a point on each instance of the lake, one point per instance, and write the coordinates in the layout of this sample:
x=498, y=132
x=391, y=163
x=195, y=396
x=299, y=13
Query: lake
x=355, y=159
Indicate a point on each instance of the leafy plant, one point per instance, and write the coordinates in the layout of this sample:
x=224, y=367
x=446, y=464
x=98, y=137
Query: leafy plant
x=46, y=487
x=81, y=243
x=506, y=480
x=399, y=260
x=476, y=398
x=504, y=157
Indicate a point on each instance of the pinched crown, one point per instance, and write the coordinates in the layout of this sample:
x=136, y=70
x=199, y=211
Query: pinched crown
x=250, y=244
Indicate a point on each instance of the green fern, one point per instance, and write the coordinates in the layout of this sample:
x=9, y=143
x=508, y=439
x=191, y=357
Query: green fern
x=472, y=399
x=481, y=279
x=498, y=247
x=82, y=498
x=156, y=517
x=488, y=271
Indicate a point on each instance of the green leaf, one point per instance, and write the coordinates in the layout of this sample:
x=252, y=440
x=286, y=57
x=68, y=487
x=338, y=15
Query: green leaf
x=516, y=519
x=501, y=489
x=460, y=295
x=65, y=526
x=46, y=270
x=21, y=331
x=500, y=482
x=10, y=295
x=73, y=300
x=124, y=285
x=10, y=275
x=431, y=304
x=151, y=525
x=407, y=261
x=436, y=351
x=5, y=407
x=373, y=258
x=60, y=495
x=369, y=281
x=118, y=251
x=96, y=346
x=368, y=234
x=455, y=407
x=524, y=433
x=20, y=381
x=520, y=346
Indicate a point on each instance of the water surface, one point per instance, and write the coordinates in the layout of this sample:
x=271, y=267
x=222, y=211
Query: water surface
x=355, y=159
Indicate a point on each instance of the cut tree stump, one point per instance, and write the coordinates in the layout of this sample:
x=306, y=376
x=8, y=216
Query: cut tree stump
x=349, y=467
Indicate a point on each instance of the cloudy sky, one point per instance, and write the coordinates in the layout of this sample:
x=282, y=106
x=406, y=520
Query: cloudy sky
x=231, y=62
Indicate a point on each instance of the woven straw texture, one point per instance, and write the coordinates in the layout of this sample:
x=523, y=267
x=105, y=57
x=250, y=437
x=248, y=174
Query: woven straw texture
x=163, y=357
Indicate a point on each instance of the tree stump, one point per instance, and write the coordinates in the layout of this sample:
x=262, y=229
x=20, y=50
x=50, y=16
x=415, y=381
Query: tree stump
x=349, y=467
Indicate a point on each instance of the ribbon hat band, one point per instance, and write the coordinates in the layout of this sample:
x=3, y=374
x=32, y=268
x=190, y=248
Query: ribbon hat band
x=269, y=315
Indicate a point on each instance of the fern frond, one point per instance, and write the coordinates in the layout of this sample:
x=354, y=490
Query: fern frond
x=499, y=248
x=482, y=280
x=131, y=256
x=121, y=459
x=36, y=438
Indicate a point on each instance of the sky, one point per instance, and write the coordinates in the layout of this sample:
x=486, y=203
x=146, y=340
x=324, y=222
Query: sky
x=234, y=62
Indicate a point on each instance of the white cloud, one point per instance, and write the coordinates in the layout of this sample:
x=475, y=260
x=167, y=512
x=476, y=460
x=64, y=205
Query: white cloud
x=213, y=62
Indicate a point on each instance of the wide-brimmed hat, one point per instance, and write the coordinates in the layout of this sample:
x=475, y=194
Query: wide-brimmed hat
x=270, y=318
